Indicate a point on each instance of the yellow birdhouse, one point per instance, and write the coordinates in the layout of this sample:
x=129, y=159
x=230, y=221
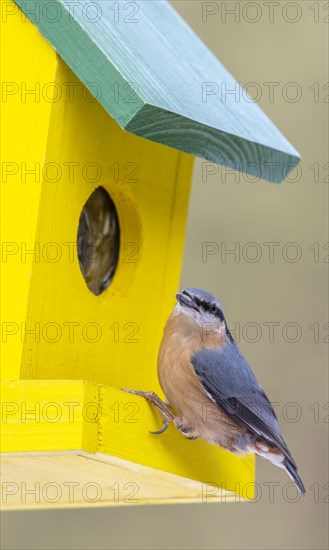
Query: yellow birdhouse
x=105, y=106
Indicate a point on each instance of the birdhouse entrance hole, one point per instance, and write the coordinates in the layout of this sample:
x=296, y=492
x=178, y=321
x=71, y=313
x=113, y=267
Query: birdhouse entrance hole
x=98, y=241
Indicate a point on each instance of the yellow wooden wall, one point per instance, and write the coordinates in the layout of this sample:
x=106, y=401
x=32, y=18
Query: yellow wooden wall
x=117, y=334
x=24, y=131
x=66, y=331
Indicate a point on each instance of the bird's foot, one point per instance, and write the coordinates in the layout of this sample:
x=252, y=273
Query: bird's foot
x=184, y=428
x=166, y=414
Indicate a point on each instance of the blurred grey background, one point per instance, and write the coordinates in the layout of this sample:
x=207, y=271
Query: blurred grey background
x=285, y=45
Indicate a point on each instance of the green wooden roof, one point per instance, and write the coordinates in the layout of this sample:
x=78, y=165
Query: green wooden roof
x=151, y=73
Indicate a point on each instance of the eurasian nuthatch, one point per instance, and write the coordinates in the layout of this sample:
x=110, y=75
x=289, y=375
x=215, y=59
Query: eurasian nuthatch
x=211, y=387
x=98, y=241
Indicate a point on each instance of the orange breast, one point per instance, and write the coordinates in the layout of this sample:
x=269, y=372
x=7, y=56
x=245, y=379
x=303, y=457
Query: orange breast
x=182, y=387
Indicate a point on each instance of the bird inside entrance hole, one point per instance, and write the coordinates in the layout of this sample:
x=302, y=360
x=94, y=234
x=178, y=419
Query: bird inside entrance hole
x=210, y=386
x=98, y=241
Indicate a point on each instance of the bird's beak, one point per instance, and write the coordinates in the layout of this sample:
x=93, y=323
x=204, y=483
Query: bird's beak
x=185, y=299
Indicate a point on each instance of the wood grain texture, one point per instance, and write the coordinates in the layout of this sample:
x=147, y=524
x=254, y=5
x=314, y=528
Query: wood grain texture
x=102, y=419
x=76, y=479
x=150, y=72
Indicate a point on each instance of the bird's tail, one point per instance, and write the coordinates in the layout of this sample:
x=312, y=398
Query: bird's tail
x=292, y=471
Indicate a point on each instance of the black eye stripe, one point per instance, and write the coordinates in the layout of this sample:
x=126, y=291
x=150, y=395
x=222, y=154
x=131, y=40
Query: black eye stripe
x=212, y=308
x=208, y=306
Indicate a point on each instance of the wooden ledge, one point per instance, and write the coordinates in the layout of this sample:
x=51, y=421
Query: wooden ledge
x=70, y=479
x=41, y=419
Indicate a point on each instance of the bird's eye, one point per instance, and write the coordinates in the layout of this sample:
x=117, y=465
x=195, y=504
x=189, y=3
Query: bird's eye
x=213, y=309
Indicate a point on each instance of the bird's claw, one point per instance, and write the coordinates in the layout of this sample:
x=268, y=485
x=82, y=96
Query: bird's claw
x=166, y=414
x=135, y=392
x=163, y=429
x=184, y=428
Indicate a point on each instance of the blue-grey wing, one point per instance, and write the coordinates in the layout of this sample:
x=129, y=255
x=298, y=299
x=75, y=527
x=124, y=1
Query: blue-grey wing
x=229, y=380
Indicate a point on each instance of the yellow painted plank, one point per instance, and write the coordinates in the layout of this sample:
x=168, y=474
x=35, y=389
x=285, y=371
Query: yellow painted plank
x=28, y=65
x=109, y=421
x=91, y=414
x=42, y=415
x=77, y=479
x=112, y=338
